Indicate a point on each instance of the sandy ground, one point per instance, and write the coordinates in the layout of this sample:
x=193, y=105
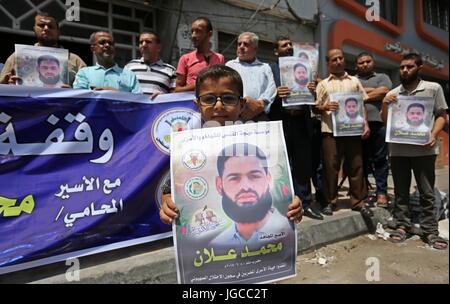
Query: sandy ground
x=345, y=262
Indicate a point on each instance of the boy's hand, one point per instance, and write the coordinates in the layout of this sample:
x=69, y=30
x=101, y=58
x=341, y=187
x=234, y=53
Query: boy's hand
x=295, y=208
x=11, y=79
x=169, y=211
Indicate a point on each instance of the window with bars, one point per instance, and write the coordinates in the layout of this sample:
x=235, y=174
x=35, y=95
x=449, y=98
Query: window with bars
x=124, y=19
x=436, y=13
x=388, y=9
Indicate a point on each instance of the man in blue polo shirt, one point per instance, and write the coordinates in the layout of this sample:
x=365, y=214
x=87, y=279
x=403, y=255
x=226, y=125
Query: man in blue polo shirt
x=106, y=74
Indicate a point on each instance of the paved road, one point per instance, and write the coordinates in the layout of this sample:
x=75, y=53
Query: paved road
x=345, y=262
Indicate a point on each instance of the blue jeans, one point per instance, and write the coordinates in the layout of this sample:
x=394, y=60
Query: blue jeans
x=376, y=156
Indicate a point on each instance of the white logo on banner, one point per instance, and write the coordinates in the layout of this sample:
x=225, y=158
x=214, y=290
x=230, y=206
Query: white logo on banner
x=173, y=120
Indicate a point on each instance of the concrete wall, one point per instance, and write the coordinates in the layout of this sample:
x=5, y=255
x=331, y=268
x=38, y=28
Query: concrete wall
x=231, y=19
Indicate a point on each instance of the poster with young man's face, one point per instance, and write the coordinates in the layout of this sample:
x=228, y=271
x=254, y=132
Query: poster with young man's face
x=295, y=74
x=40, y=66
x=232, y=186
x=348, y=119
x=308, y=51
x=410, y=120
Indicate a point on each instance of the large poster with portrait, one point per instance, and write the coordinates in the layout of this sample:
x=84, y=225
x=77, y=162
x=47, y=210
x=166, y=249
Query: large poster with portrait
x=348, y=119
x=40, y=66
x=410, y=120
x=232, y=186
x=296, y=73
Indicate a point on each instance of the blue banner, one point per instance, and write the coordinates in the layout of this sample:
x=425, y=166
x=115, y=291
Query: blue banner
x=81, y=172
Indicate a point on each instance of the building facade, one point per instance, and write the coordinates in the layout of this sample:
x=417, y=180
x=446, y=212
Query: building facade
x=404, y=25
x=171, y=19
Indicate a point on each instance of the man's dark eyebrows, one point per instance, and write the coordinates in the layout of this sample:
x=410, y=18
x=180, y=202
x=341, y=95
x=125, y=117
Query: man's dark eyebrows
x=257, y=171
x=233, y=174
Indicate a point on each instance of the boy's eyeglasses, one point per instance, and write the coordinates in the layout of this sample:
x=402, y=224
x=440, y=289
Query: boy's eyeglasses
x=226, y=99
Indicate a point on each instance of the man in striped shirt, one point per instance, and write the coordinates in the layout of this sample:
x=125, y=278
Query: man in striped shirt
x=336, y=148
x=155, y=77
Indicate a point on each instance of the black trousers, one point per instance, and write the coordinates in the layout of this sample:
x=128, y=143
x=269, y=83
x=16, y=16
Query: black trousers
x=423, y=169
x=298, y=144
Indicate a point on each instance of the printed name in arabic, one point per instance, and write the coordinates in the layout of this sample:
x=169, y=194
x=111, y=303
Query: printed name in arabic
x=350, y=126
x=54, y=144
x=401, y=133
x=209, y=253
x=70, y=218
x=420, y=134
x=210, y=256
x=8, y=206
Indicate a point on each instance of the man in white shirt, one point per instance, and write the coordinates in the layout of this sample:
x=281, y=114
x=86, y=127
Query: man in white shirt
x=259, y=85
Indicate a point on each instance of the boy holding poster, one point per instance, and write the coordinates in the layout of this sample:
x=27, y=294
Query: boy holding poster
x=220, y=83
x=418, y=158
x=220, y=80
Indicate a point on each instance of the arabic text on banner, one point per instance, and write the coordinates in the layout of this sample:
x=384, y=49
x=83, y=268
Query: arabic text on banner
x=81, y=172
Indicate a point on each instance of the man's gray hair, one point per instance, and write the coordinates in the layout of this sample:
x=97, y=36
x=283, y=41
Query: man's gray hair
x=92, y=37
x=254, y=37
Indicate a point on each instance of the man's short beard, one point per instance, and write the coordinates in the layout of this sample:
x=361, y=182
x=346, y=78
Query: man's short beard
x=247, y=213
x=364, y=74
x=50, y=81
x=302, y=82
x=49, y=43
x=289, y=53
x=409, y=80
x=414, y=123
x=352, y=115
